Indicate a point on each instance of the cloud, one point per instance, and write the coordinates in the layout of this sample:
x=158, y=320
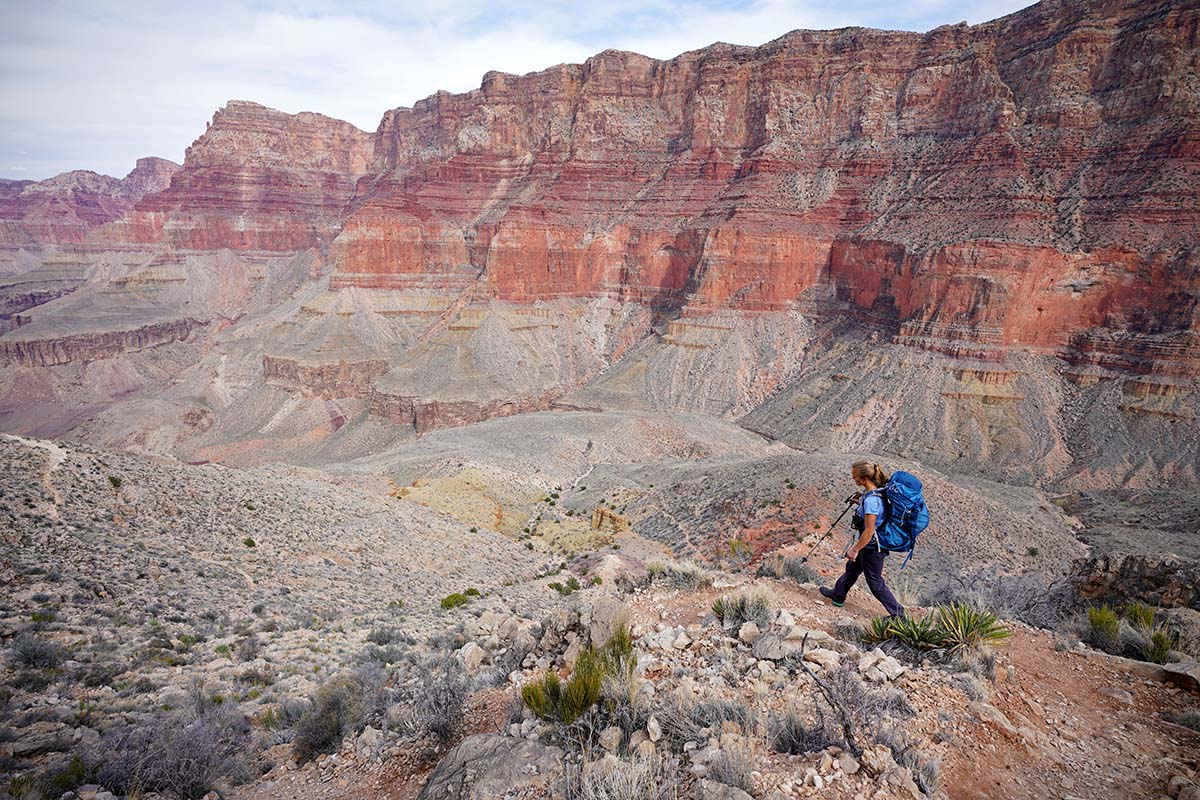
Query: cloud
x=95, y=85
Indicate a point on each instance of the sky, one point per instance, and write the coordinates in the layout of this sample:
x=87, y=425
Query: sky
x=98, y=84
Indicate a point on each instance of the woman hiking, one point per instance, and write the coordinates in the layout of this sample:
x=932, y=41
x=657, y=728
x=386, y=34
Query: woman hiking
x=864, y=555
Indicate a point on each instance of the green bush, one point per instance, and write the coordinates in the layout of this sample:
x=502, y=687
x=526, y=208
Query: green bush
x=1159, y=648
x=963, y=626
x=552, y=699
x=953, y=627
x=455, y=600
x=471, y=592
x=1140, y=616
x=1104, y=628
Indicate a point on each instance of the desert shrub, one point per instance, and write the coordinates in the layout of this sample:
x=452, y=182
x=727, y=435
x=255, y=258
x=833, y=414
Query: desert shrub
x=437, y=705
x=635, y=779
x=961, y=626
x=792, y=567
x=1029, y=597
x=471, y=591
x=1158, y=649
x=1188, y=719
x=33, y=652
x=692, y=722
x=339, y=708
x=454, y=600
x=383, y=636
x=740, y=551
x=954, y=627
x=735, y=765
x=685, y=574
x=551, y=698
x=1140, y=615
x=917, y=633
x=733, y=611
x=789, y=732
x=614, y=663
x=1104, y=629
x=175, y=754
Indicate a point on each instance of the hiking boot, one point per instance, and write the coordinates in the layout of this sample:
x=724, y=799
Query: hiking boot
x=826, y=592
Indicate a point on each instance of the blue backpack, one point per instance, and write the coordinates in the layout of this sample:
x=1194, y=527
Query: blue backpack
x=905, y=514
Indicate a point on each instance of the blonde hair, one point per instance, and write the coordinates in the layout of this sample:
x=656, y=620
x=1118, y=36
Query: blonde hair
x=870, y=471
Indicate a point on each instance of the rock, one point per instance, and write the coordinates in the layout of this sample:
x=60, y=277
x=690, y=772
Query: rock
x=711, y=790
x=847, y=763
x=785, y=619
x=606, y=615
x=488, y=765
x=653, y=729
x=645, y=749
x=610, y=738
x=1178, y=783
x=748, y=633
x=368, y=743
x=1120, y=695
x=878, y=666
x=992, y=715
x=769, y=646
x=877, y=760
x=471, y=656
x=681, y=641
x=1184, y=674
x=825, y=659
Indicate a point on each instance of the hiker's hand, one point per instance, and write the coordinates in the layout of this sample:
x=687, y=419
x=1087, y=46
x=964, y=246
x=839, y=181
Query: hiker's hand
x=852, y=554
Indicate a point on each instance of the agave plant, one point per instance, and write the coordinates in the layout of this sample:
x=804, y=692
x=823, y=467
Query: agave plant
x=919, y=633
x=878, y=630
x=961, y=626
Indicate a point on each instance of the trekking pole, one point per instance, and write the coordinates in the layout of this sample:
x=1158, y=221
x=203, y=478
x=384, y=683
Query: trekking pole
x=850, y=501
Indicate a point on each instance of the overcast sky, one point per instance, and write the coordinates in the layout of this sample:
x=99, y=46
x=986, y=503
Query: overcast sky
x=94, y=85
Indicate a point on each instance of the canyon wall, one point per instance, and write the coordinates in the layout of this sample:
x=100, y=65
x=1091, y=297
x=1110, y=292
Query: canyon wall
x=688, y=234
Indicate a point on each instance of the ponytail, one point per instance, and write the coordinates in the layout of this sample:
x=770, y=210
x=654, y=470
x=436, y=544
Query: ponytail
x=871, y=471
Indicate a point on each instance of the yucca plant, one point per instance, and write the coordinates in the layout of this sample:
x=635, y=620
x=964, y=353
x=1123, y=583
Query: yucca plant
x=1140, y=615
x=878, y=630
x=918, y=633
x=960, y=625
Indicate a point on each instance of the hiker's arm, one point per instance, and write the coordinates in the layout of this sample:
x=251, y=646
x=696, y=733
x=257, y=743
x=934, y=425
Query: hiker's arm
x=867, y=534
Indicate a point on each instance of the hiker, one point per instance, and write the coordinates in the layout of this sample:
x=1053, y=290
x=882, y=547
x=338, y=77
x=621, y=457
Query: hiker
x=864, y=554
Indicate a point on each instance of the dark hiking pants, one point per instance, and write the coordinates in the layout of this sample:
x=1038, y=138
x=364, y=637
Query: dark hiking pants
x=870, y=563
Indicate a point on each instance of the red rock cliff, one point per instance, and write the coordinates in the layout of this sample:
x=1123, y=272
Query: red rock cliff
x=1030, y=181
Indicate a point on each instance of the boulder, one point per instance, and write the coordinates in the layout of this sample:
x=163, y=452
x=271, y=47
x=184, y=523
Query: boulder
x=603, y=618
x=825, y=659
x=1184, y=674
x=748, y=633
x=771, y=647
x=471, y=656
x=489, y=765
x=878, y=666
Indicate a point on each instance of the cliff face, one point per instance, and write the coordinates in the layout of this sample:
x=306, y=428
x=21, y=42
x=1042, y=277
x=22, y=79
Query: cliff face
x=1031, y=181
x=684, y=233
x=65, y=208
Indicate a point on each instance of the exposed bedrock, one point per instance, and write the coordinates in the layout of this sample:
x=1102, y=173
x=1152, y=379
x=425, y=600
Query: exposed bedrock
x=93, y=346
